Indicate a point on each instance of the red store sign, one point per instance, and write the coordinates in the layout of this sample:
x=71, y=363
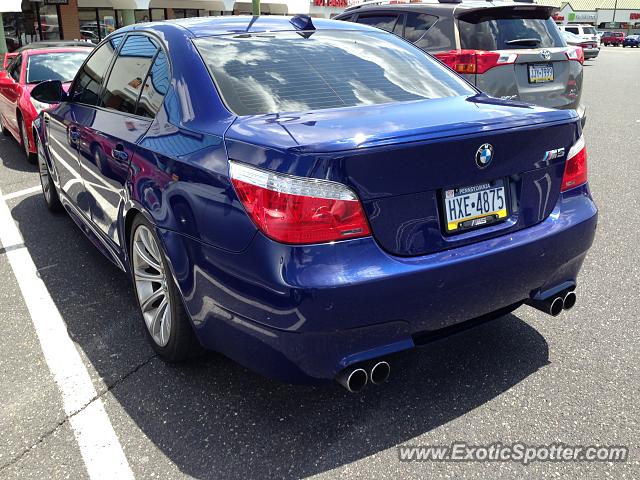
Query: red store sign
x=634, y=16
x=330, y=3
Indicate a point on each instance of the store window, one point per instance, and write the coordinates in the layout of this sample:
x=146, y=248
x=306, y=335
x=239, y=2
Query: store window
x=35, y=22
x=158, y=14
x=185, y=12
x=96, y=23
x=49, y=22
x=142, y=16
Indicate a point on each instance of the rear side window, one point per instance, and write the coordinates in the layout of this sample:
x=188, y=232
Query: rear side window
x=416, y=26
x=301, y=71
x=507, y=28
x=572, y=30
x=385, y=22
x=155, y=87
x=86, y=88
x=128, y=74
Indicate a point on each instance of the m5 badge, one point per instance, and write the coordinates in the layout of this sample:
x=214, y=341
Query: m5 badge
x=552, y=154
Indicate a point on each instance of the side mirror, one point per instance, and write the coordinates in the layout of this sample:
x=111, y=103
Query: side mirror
x=49, y=91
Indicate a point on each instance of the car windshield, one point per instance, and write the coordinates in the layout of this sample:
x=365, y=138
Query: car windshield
x=61, y=66
x=507, y=29
x=302, y=71
x=589, y=30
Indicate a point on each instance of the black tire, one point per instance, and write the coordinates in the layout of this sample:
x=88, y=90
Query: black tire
x=49, y=192
x=5, y=132
x=24, y=139
x=182, y=342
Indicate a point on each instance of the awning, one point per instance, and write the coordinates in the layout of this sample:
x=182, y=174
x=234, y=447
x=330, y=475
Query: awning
x=10, y=6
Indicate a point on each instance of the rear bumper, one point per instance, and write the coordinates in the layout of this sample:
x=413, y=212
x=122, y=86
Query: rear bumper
x=302, y=314
x=590, y=53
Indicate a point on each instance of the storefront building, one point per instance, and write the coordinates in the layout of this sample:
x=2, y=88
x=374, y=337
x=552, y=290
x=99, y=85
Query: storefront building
x=621, y=15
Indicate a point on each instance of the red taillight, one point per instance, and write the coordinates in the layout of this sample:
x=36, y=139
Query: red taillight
x=475, y=61
x=575, y=170
x=298, y=210
x=575, y=53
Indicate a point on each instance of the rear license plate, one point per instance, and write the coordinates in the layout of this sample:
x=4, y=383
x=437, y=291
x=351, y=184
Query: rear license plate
x=475, y=206
x=540, y=73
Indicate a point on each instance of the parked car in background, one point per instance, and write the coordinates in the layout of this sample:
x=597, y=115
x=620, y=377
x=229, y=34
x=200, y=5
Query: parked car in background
x=509, y=50
x=307, y=196
x=631, y=41
x=589, y=47
x=612, y=38
x=26, y=70
x=54, y=44
x=585, y=32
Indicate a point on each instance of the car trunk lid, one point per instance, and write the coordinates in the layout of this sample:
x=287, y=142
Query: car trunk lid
x=405, y=157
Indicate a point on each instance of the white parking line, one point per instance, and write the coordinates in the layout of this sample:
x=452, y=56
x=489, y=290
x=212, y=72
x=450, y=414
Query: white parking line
x=100, y=448
x=22, y=193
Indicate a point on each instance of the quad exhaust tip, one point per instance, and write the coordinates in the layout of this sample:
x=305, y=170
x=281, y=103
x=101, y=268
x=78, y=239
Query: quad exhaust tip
x=555, y=304
x=353, y=380
x=380, y=373
x=570, y=300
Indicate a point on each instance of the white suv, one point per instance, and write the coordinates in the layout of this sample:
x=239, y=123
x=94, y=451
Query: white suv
x=585, y=32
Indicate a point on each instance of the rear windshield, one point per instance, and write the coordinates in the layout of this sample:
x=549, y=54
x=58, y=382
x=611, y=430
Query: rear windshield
x=507, y=29
x=589, y=30
x=61, y=66
x=301, y=71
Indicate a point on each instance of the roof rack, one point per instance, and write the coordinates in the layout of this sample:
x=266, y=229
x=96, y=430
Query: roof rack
x=412, y=2
x=396, y=2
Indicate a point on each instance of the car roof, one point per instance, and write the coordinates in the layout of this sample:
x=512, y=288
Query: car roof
x=54, y=44
x=41, y=51
x=224, y=25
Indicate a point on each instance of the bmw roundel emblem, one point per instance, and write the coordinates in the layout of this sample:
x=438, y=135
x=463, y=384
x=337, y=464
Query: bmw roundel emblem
x=484, y=155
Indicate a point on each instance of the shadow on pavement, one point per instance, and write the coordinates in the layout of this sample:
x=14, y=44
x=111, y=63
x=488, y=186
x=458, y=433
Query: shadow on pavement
x=213, y=418
x=12, y=155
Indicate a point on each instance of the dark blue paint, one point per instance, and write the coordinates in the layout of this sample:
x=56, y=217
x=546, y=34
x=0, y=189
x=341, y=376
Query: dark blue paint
x=302, y=313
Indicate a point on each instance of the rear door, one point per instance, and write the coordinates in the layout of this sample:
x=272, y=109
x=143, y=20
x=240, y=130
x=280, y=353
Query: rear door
x=109, y=131
x=532, y=65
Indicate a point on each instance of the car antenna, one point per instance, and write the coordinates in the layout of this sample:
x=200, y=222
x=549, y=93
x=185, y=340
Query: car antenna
x=303, y=23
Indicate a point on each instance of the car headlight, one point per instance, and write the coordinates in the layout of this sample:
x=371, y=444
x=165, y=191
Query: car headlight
x=39, y=106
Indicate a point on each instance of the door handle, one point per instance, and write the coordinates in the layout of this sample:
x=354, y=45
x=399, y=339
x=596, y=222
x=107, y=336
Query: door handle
x=119, y=154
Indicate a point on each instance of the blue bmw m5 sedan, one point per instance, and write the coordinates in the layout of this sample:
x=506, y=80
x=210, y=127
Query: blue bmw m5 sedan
x=309, y=197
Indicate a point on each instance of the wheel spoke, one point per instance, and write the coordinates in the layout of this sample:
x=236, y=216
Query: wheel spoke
x=141, y=275
x=154, y=326
x=146, y=304
x=166, y=324
x=146, y=257
x=149, y=244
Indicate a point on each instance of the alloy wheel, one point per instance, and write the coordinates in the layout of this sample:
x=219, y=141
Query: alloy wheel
x=151, y=285
x=44, y=173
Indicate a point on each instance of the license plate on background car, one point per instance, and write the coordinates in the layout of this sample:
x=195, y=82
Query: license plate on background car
x=475, y=206
x=540, y=73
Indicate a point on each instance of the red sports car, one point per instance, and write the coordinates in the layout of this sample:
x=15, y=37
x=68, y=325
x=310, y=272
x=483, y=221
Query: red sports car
x=30, y=67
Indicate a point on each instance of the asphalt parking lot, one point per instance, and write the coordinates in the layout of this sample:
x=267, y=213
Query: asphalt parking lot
x=525, y=378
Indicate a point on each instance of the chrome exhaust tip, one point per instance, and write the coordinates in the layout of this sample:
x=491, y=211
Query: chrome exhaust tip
x=556, y=307
x=353, y=380
x=569, y=300
x=380, y=373
x=551, y=306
